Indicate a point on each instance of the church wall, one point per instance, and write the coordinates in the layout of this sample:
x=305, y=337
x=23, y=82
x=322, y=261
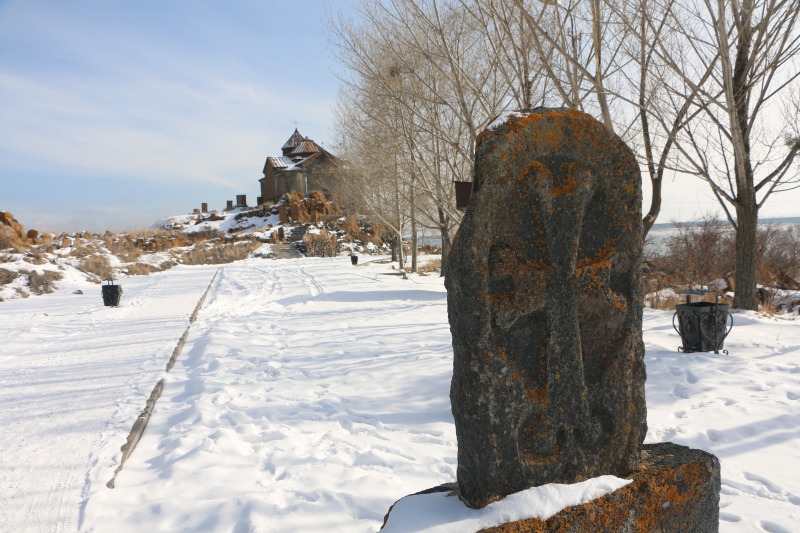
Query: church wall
x=321, y=174
x=268, y=187
x=291, y=181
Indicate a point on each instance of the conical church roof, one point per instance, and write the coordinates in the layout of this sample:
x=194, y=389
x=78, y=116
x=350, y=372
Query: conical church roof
x=305, y=148
x=292, y=143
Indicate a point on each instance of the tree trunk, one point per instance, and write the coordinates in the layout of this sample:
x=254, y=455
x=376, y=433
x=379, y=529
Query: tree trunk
x=738, y=98
x=745, y=296
x=445, y=232
x=401, y=255
x=414, y=243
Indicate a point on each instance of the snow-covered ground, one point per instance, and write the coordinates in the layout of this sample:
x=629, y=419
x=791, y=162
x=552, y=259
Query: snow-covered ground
x=311, y=394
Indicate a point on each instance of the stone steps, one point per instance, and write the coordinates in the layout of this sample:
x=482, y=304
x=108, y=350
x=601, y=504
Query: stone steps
x=293, y=247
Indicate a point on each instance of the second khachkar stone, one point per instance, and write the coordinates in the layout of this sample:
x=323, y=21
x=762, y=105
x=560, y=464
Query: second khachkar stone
x=545, y=305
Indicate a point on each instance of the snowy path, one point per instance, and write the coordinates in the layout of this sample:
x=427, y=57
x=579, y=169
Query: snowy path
x=302, y=399
x=310, y=394
x=74, y=374
x=743, y=407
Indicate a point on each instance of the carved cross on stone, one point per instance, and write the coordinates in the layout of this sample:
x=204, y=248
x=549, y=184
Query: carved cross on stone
x=545, y=305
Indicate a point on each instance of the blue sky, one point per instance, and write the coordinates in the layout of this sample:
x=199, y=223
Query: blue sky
x=114, y=114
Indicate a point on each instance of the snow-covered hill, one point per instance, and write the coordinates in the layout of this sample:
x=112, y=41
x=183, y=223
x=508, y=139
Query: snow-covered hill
x=51, y=262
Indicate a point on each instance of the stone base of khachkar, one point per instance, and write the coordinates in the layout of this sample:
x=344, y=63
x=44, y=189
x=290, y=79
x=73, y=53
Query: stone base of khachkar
x=674, y=489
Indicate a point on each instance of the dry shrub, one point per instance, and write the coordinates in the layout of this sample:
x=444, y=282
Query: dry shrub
x=158, y=241
x=360, y=229
x=34, y=259
x=377, y=232
x=120, y=244
x=350, y=227
x=143, y=269
x=81, y=250
x=663, y=300
x=292, y=198
x=430, y=266
x=706, y=251
x=320, y=244
x=219, y=253
x=667, y=300
x=7, y=276
x=698, y=253
x=43, y=283
x=129, y=257
x=779, y=256
x=97, y=265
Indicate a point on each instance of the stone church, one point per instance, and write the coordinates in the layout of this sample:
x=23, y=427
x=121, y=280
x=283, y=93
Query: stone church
x=304, y=166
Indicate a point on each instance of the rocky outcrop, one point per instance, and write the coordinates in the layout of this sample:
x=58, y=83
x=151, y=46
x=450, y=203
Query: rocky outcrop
x=13, y=235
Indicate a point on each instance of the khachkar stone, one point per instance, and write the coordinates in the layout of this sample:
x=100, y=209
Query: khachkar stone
x=545, y=305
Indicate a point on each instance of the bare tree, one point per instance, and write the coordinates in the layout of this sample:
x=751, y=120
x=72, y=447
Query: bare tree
x=750, y=48
x=594, y=56
x=370, y=153
x=424, y=61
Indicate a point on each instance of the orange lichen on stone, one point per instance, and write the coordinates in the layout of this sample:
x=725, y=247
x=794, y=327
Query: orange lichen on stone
x=531, y=460
x=534, y=166
x=537, y=394
x=601, y=260
x=570, y=184
x=674, y=489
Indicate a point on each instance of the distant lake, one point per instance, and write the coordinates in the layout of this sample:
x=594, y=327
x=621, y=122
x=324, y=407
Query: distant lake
x=656, y=238
x=783, y=220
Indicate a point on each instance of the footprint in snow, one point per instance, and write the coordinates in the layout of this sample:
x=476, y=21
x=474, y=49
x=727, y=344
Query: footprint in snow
x=680, y=391
x=772, y=527
x=729, y=517
x=769, y=485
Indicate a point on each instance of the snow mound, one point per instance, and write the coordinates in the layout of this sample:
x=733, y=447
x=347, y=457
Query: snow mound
x=439, y=512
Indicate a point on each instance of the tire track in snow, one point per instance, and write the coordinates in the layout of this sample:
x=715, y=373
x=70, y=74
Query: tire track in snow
x=140, y=424
x=61, y=392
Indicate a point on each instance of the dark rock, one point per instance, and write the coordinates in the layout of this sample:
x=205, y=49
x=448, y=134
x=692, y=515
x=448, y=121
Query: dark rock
x=544, y=290
x=675, y=489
